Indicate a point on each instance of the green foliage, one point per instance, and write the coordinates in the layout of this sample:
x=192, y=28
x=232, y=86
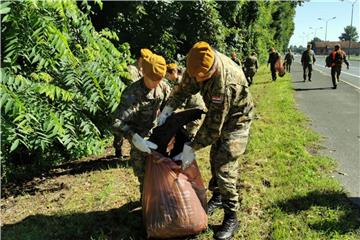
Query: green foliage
x=60, y=81
x=172, y=27
x=349, y=33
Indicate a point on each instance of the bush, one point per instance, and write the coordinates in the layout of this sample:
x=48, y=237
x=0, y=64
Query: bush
x=61, y=80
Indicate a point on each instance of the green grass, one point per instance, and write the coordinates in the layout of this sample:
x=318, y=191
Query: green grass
x=285, y=187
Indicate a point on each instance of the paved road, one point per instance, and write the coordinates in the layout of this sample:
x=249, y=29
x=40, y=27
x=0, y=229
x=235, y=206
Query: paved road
x=335, y=114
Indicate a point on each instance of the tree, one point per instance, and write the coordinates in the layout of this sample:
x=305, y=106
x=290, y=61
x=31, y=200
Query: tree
x=315, y=40
x=350, y=33
x=60, y=82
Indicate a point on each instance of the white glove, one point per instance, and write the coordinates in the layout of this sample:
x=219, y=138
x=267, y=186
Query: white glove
x=165, y=113
x=187, y=156
x=143, y=145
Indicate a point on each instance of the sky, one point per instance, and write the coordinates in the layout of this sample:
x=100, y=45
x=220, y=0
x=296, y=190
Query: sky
x=307, y=16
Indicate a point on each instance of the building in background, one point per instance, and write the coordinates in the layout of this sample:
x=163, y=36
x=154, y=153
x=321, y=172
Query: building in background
x=324, y=48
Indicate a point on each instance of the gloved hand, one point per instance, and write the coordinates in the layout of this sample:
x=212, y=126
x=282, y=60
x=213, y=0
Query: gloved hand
x=142, y=145
x=187, y=156
x=165, y=113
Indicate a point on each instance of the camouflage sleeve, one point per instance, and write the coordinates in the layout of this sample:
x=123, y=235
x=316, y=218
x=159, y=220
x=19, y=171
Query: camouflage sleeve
x=124, y=113
x=167, y=91
x=187, y=87
x=211, y=128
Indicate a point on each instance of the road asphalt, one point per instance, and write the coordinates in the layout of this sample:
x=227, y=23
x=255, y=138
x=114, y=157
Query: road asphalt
x=335, y=115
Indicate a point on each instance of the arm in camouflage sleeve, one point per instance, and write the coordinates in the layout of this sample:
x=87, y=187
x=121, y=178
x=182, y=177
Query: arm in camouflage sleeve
x=167, y=91
x=187, y=87
x=124, y=114
x=213, y=123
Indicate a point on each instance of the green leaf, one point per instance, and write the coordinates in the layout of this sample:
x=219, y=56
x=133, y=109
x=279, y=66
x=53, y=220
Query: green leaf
x=4, y=10
x=14, y=145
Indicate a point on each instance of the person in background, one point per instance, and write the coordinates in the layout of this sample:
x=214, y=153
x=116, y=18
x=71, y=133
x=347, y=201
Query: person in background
x=307, y=60
x=338, y=56
x=289, y=58
x=251, y=66
x=172, y=75
x=224, y=89
x=235, y=59
x=140, y=105
x=273, y=58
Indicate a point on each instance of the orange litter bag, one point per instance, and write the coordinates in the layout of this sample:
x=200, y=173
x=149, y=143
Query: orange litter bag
x=174, y=201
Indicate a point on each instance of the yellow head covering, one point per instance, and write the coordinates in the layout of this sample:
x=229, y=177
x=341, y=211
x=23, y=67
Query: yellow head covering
x=200, y=59
x=171, y=66
x=145, y=52
x=154, y=67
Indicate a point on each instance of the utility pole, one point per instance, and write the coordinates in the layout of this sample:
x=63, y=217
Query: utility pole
x=326, y=21
x=352, y=12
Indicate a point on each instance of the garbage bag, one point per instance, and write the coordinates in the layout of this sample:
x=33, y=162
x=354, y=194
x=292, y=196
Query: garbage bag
x=279, y=67
x=174, y=201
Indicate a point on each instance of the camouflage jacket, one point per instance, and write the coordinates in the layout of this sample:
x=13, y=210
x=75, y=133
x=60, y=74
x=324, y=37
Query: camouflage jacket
x=133, y=75
x=251, y=63
x=308, y=57
x=139, y=108
x=226, y=96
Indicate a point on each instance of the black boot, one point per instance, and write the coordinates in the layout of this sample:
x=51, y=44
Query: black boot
x=228, y=227
x=214, y=202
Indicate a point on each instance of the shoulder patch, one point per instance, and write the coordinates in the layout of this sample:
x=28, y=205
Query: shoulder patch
x=217, y=99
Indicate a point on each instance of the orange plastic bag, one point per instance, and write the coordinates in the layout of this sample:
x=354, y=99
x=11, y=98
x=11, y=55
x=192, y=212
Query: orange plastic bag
x=174, y=201
x=279, y=67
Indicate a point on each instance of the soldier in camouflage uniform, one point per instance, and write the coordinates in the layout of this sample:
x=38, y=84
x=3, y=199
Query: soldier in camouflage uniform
x=224, y=89
x=135, y=73
x=250, y=67
x=307, y=60
x=140, y=105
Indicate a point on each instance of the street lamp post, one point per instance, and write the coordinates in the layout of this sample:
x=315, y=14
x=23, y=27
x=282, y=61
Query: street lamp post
x=326, y=20
x=352, y=12
x=315, y=30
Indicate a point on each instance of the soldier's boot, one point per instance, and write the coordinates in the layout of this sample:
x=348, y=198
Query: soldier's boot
x=214, y=203
x=228, y=227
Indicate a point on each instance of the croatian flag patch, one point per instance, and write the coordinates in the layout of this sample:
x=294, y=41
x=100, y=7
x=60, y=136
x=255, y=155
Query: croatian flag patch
x=217, y=99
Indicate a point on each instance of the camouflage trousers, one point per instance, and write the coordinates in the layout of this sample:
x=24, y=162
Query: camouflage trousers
x=224, y=163
x=137, y=160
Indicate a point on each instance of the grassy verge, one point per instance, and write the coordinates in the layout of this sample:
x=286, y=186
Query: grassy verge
x=286, y=188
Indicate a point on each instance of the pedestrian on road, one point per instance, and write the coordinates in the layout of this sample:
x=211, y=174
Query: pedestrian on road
x=289, y=58
x=273, y=58
x=140, y=105
x=251, y=66
x=338, y=56
x=307, y=60
x=224, y=89
x=235, y=59
x=135, y=74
